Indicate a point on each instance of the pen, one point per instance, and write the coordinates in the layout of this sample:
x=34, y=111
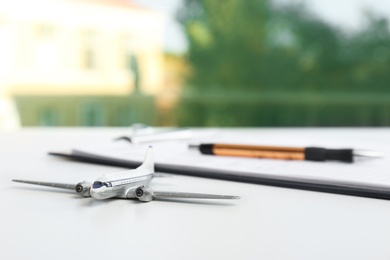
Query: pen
x=285, y=153
x=175, y=134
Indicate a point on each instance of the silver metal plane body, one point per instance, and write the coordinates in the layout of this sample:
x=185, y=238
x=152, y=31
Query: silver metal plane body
x=127, y=184
x=123, y=184
x=119, y=185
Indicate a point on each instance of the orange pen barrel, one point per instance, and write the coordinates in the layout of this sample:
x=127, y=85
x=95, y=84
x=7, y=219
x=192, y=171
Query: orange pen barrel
x=268, y=152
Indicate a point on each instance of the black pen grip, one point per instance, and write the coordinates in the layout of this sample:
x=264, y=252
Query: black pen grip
x=322, y=154
x=206, y=148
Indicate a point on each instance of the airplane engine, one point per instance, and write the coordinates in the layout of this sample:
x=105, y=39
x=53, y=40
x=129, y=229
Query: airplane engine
x=144, y=194
x=83, y=188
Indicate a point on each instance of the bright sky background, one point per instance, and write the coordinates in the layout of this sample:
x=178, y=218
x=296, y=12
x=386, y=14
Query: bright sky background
x=348, y=13
x=344, y=13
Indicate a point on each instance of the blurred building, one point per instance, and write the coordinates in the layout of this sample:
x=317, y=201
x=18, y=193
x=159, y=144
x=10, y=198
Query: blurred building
x=81, y=62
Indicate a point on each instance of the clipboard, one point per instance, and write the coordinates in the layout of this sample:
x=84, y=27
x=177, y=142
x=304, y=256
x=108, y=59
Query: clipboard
x=368, y=191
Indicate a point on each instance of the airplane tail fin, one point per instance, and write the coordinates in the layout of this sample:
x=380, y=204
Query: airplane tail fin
x=148, y=163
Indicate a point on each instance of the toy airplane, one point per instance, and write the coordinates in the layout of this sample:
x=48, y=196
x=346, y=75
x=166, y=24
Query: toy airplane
x=130, y=184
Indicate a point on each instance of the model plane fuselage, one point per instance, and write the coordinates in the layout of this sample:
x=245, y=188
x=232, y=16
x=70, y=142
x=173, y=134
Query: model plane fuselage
x=122, y=185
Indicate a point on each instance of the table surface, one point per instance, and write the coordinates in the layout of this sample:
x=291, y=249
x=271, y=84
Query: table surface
x=267, y=223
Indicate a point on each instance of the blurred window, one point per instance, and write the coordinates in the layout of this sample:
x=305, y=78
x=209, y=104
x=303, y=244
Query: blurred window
x=6, y=46
x=45, y=31
x=89, y=39
x=132, y=66
x=47, y=53
x=127, y=49
x=131, y=62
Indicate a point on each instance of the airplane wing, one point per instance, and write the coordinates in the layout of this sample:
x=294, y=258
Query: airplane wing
x=188, y=195
x=146, y=194
x=50, y=184
x=81, y=188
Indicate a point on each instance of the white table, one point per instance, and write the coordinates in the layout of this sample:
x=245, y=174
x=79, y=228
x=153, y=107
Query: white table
x=267, y=223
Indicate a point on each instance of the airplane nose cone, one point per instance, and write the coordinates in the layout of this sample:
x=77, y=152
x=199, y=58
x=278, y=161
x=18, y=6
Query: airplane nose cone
x=100, y=194
x=95, y=194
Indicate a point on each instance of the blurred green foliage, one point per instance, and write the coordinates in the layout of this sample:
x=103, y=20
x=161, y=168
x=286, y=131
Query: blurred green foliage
x=255, y=63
